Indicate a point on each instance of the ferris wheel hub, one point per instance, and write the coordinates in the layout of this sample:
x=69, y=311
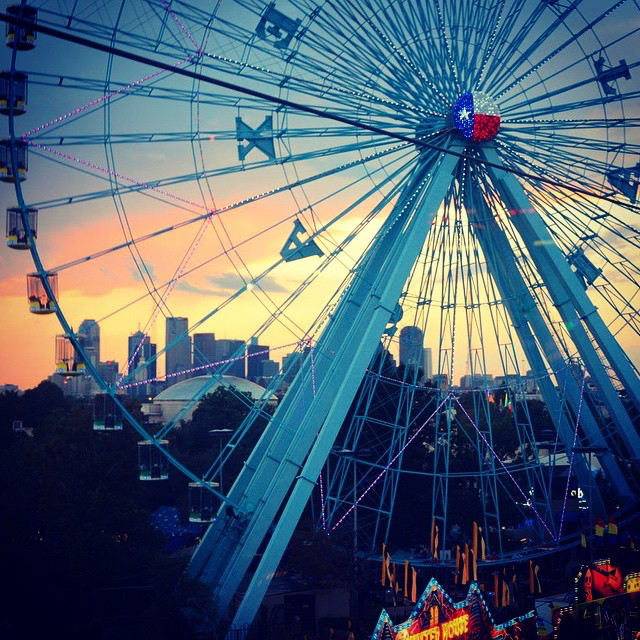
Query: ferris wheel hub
x=476, y=116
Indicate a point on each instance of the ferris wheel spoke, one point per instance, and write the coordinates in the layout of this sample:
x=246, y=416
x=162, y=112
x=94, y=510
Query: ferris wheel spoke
x=384, y=77
x=556, y=172
x=333, y=254
x=274, y=314
x=541, y=112
x=545, y=96
x=146, y=91
x=557, y=50
x=144, y=137
x=512, y=35
x=77, y=198
x=547, y=140
x=491, y=26
x=505, y=30
x=157, y=189
x=573, y=161
x=548, y=127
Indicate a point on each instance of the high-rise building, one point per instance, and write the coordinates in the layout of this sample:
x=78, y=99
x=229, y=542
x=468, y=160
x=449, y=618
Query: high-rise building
x=412, y=347
x=231, y=349
x=292, y=362
x=428, y=363
x=256, y=355
x=204, y=351
x=90, y=329
x=178, y=355
x=109, y=370
x=143, y=353
x=269, y=369
x=290, y=366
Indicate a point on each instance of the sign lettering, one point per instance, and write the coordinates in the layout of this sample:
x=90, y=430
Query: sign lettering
x=446, y=631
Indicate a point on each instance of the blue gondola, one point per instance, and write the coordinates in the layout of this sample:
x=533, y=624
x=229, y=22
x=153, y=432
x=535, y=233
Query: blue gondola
x=16, y=233
x=23, y=37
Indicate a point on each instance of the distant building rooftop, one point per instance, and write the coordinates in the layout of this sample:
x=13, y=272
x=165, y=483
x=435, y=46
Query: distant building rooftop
x=170, y=401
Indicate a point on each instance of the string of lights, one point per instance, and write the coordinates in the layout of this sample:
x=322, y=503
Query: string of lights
x=204, y=367
x=527, y=499
x=575, y=438
x=391, y=462
x=168, y=291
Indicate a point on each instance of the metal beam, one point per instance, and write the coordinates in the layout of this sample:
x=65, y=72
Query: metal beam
x=352, y=341
x=571, y=301
x=527, y=322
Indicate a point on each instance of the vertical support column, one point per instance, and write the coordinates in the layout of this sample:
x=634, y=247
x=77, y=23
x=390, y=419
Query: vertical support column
x=527, y=320
x=351, y=352
x=571, y=301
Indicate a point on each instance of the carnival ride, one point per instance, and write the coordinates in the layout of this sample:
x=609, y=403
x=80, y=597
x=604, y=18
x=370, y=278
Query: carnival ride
x=322, y=175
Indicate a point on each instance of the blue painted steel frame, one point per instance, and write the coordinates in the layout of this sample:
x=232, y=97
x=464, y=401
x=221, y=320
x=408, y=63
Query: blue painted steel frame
x=572, y=303
x=298, y=439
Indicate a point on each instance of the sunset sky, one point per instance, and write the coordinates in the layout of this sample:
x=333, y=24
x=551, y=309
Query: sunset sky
x=151, y=136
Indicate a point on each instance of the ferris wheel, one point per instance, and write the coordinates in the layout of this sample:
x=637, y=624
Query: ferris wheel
x=347, y=181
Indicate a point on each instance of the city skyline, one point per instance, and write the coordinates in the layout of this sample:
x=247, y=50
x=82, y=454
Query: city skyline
x=243, y=359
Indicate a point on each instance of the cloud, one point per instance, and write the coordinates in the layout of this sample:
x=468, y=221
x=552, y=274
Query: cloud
x=233, y=282
x=134, y=272
x=189, y=288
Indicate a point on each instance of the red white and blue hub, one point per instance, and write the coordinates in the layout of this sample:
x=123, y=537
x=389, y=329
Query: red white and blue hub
x=476, y=116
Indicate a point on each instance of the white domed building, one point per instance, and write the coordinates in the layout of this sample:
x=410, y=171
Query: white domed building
x=166, y=405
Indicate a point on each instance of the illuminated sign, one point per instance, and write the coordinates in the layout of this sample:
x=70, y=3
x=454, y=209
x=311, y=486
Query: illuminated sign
x=437, y=617
x=446, y=631
x=632, y=582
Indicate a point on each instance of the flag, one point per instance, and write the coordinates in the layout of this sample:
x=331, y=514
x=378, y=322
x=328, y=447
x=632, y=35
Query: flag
x=465, y=567
x=475, y=567
x=476, y=116
x=583, y=538
x=414, y=585
x=483, y=549
x=600, y=526
x=406, y=579
x=388, y=564
x=384, y=565
x=435, y=544
x=496, y=584
x=433, y=534
x=531, y=580
x=536, y=571
x=613, y=527
x=457, y=573
x=475, y=539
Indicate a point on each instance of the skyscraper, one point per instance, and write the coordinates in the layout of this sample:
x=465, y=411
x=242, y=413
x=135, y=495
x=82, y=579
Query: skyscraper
x=146, y=351
x=231, y=349
x=204, y=350
x=90, y=329
x=256, y=355
x=109, y=370
x=177, y=356
x=411, y=347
